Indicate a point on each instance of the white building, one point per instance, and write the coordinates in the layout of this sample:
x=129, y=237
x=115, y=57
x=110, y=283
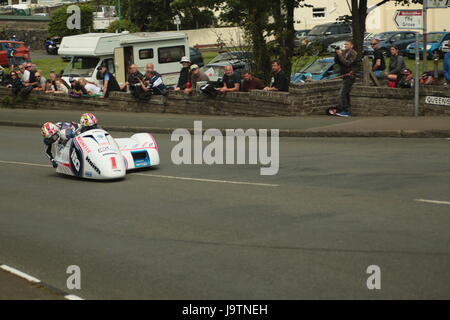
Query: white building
x=379, y=20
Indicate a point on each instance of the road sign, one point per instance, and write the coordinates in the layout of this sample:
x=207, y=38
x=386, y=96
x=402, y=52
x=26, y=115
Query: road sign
x=408, y=19
x=433, y=4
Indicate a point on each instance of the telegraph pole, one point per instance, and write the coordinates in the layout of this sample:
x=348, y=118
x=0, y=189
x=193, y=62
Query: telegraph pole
x=425, y=51
x=120, y=16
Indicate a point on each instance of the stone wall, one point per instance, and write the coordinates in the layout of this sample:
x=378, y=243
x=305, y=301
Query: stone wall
x=302, y=100
x=33, y=33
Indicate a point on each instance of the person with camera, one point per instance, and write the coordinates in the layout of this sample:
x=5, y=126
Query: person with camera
x=347, y=60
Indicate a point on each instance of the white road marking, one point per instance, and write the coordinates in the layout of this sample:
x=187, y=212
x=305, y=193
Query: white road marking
x=433, y=201
x=208, y=180
x=160, y=176
x=72, y=297
x=25, y=163
x=19, y=273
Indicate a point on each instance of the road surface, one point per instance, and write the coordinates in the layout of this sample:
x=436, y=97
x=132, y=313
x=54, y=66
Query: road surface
x=336, y=207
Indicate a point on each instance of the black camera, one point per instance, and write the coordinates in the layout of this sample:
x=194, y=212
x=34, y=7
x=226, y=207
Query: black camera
x=334, y=47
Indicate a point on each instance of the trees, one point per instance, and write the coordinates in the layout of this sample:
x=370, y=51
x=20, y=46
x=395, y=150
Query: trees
x=359, y=13
x=124, y=25
x=58, y=21
x=158, y=15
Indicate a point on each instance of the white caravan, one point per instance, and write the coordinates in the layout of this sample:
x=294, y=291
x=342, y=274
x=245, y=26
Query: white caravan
x=117, y=51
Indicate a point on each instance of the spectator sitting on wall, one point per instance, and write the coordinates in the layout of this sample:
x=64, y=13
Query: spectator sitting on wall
x=14, y=83
x=153, y=84
x=231, y=80
x=90, y=87
x=56, y=77
x=41, y=82
x=184, y=74
x=28, y=73
x=21, y=71
x=133, y=81
x=76, y=89
x=151, y=67
x=429, y=78
x=280, y=80
x=251, y=83
x=110, y=83
x=196, y=76
x=378, y=63
x=59, y=87
x=406, y=79
x=396, y=65
x=447, y=67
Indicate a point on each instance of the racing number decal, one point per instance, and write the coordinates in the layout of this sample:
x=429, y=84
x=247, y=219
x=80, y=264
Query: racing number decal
x=113, y=162
x=76, y=159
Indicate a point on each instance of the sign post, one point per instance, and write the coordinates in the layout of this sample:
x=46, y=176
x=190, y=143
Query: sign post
x=177, y=21
x=416, y=78
x=412, y=19
x=424, y=34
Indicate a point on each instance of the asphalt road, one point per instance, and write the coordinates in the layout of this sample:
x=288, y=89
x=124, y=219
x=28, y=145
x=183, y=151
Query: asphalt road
x=340, y=206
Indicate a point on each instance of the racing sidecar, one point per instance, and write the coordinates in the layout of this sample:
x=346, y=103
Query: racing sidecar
x=95, y=154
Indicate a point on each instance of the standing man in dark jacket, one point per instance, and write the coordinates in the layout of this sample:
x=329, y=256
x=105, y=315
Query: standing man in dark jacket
x=280, y=80
x=109, y=81
x=346, y=59
x=184, y=74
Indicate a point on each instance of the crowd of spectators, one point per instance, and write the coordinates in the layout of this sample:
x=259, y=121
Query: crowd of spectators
x=141, y=86
x=398, y=75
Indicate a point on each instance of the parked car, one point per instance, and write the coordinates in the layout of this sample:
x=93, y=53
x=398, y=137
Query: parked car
x=196, y=57
x=240, y=60
x=22, y=54
x=52, y=45
x=387, y=39
x=325, y=34
x=320, y=69
x=300, y=35
x=434, y=44
x=340, y=44
x=445, y=46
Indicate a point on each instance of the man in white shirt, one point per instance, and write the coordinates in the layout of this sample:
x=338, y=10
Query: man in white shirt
x=91, y=88
x=27, y=72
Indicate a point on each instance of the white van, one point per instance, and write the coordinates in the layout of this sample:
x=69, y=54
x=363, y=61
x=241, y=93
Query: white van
x=117, y=51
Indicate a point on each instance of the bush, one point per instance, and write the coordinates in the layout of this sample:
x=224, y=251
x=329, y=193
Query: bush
x=58, y=21
x=124, y=25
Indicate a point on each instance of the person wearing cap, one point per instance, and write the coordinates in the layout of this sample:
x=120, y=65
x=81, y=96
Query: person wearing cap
x=109, y=81
x=196, y=76
x=184, y=74
x=406, y=80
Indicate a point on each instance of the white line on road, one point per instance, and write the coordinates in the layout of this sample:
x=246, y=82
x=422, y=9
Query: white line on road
x=433, y=201
x=73, y=297
x=208, y=180
x=161, y=176
x=26, y=163
x=19, y=273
